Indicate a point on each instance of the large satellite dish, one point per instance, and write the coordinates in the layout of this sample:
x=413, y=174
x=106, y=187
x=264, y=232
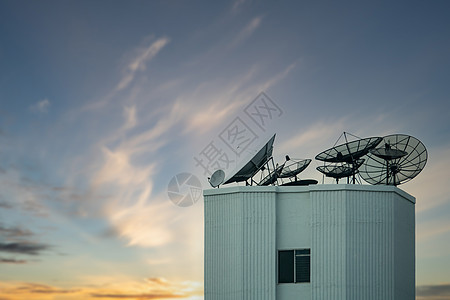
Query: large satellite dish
x=217, y=178
x=349, y=152
x=255, y=164
x=345, y=159
x=399, y=160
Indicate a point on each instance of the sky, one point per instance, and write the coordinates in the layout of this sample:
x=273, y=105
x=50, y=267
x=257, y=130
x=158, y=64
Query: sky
x=104, y=105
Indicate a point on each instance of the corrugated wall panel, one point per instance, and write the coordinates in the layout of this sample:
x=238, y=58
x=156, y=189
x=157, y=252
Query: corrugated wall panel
x=353, y=247
x=361, y=239
x=328, y=253
x=405, y=255
x=370, y=244
x=259, y=239
x=240, y=246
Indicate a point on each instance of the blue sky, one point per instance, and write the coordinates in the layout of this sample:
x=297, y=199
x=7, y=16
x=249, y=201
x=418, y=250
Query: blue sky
x=103, y=102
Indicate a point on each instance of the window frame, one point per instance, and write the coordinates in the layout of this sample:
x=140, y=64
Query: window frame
x=295, y=252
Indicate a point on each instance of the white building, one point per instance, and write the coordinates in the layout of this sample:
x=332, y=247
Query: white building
x=309, y=242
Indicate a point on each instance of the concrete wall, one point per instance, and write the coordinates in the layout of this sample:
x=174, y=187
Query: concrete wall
x=361, y=239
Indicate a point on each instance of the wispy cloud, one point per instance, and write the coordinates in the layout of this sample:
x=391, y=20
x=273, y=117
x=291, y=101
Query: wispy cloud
x=433, y=292
x=26, y=194
x=139, y=63
x=136, y=296
x=246, y=32
x=315, y=137
x=155, y=288
x=219, y=101
x=12, y=261
x=432, y=228
x=14, y=232
x=130, y=184
x=237, y=5
x=427, y=187
x=20, y=290
x=130, y=117
x=41, y=106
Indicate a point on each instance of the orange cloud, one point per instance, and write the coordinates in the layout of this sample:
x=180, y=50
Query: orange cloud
x=152, y=288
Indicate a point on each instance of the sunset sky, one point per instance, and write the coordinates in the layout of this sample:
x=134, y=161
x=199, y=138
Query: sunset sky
x=102, y=103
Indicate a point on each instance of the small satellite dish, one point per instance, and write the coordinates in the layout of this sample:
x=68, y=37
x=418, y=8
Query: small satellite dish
x=272, y=177
x=217, y=178
x=387, y=153
x=341, y=170
x=294, y=168
x=400, y=159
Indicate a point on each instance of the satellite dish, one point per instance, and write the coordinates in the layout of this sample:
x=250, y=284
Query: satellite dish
x=349, y=152
x=255, y=164
x=341, y=170
x=294, y=168
x=302, y=182
x=282, y=171
x=272, y=177
x=217, y=178
x=400, y=159
x=347, y=155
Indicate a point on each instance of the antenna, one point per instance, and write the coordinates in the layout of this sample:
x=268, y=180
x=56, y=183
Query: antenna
x=294, y=168
x=342, y=170
x=262, y=162
x=345, y=158
x=217, y=178
x=255, y=164
x=399, y=160
x=390, y=160
x=290, y=171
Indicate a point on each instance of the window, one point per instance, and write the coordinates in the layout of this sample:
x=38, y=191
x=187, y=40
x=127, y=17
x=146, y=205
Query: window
x=294, y=266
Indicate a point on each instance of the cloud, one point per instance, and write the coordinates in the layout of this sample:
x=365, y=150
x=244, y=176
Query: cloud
x=5, y=205
x=432, y=228
x=237, y=5
x=27, y=194
x=219, y=101
x=130, y=116
x=37, y=288
x=135, y=224
x=130, y=186
x=314, y=137
x=433, y=292
x=14, y=232
x=430, y=187
x=277, y=77
x=137, y=296
x=155, y=288
x=23, y=248
x=41, y=106
x=12, y=261
x=139, y=62
x=246, y=32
